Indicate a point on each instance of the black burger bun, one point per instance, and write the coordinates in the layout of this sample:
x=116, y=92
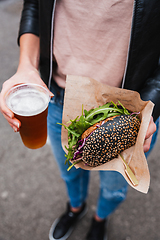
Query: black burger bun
x=110, y=139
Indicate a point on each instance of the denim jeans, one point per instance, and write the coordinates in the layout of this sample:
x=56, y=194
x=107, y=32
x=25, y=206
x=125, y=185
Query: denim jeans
x=113, y=186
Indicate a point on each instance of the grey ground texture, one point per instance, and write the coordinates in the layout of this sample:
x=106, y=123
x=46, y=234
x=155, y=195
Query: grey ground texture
x=32, y=193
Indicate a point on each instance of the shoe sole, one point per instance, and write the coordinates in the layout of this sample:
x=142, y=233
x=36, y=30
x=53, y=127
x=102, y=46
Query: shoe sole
x=69, y=231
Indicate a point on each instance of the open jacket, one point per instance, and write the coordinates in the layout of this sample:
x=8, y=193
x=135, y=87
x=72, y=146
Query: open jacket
x=142, y=72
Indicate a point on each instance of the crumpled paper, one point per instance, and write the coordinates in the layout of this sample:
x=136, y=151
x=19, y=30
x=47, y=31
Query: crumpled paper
x=91, y=93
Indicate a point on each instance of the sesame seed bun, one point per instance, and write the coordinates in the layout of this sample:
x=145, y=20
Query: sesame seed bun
x=110, y=139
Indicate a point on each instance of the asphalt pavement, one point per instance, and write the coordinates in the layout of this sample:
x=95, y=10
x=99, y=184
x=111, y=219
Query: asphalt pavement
x=32, y=193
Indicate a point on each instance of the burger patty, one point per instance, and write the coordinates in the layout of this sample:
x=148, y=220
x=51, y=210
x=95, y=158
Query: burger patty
x=110, y=139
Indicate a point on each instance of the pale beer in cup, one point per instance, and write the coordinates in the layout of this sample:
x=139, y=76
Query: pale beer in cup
x=29, y=102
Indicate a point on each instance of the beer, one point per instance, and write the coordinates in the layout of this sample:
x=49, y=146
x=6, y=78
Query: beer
x=30, y=106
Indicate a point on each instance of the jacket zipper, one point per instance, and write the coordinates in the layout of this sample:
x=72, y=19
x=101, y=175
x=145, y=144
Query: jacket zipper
x=124, y=77
x=51, y=45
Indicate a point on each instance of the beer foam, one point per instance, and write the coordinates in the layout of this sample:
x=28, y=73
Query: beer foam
x=27, y=102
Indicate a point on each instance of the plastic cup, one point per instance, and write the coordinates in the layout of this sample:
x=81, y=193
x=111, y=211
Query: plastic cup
x=29, y=103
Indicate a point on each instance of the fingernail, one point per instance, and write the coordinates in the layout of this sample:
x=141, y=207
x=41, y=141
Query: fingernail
x=15, y=129
x=9, y=115
x=16, y=124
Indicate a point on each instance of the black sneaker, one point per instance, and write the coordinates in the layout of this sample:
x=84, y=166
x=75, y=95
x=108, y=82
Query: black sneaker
x=97, y=230
x=63, y=226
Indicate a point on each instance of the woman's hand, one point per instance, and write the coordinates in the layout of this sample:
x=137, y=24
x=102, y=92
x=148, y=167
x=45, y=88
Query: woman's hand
x=26, y=73
x=30, y=75
x=151, y=129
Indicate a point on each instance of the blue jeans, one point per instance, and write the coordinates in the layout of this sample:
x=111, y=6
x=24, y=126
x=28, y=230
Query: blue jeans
x=113, y=187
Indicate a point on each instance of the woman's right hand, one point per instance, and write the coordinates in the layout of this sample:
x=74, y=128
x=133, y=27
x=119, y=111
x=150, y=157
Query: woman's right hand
x=20, y=77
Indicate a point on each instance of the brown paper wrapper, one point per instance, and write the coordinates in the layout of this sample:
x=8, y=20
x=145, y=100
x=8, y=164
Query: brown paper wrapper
x=83, y=90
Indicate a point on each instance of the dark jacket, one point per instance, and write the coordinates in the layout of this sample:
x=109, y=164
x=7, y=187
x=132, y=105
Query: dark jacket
x=143, y=69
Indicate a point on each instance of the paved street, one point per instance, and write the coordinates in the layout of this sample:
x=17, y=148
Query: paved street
x=32, y=193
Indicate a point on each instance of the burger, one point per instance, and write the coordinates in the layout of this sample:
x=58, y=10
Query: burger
x=101, y=134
